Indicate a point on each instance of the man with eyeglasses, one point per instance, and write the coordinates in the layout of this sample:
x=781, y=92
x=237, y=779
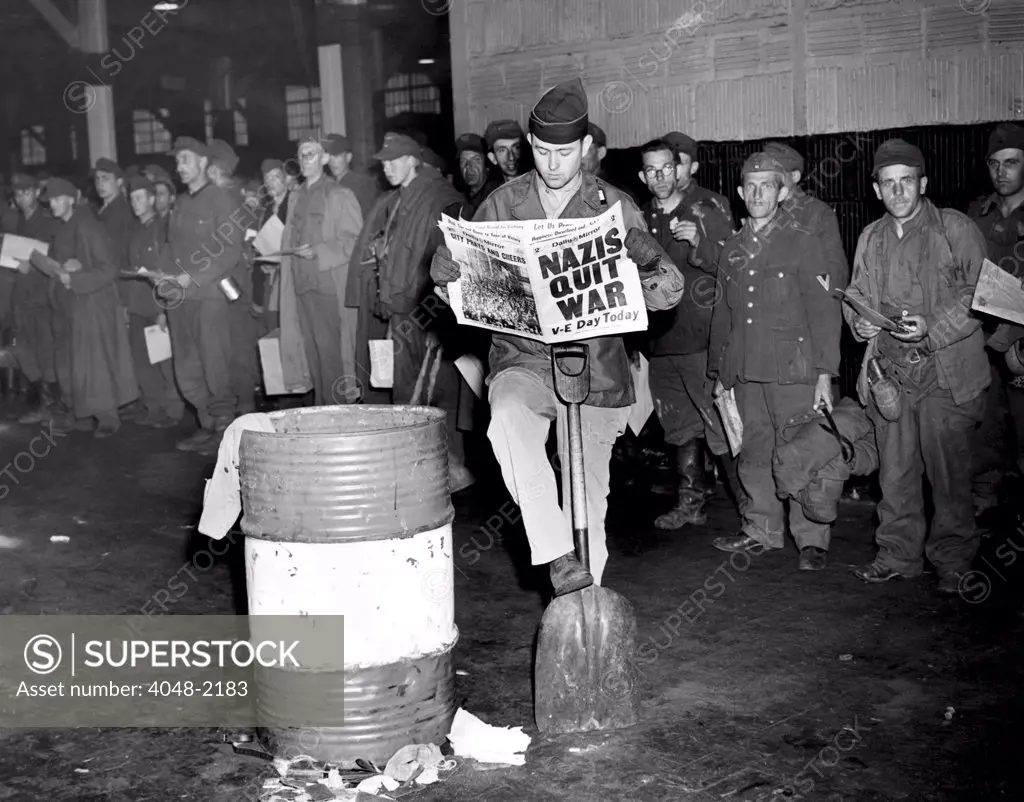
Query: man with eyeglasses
x=691, y=223
x=919, y=264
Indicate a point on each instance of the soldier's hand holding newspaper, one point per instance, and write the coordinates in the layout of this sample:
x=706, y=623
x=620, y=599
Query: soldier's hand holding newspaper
x=443, y=269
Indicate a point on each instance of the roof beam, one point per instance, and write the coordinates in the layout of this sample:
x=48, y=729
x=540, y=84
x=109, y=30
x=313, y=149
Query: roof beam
x=52, y=14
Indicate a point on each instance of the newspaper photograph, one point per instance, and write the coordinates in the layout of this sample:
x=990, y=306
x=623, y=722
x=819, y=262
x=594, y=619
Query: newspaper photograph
x=550, y=280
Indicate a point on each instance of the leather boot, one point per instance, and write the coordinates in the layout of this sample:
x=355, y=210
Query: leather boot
x=8, y=383
x=51, y=394
x=692, y=496
x=37, y=411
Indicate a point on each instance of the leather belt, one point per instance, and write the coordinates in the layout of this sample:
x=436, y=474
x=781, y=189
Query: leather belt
x=902, y=354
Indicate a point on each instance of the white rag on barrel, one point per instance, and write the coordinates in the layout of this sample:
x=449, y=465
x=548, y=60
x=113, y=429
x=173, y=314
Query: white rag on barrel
x=222, y=500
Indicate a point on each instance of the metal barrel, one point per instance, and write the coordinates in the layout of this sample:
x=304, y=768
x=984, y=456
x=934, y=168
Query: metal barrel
x=346, y=511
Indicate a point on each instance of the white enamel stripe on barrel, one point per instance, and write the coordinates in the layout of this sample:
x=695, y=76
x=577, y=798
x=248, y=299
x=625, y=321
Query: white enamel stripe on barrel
x=397, y=595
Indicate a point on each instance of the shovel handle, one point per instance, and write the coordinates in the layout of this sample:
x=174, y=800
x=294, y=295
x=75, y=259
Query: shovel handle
x=578, y=487
x=572, y=387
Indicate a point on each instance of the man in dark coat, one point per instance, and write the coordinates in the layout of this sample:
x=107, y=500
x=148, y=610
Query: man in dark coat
x=266, y=273
x=97, y=359
x=389, y=281
x=339, y=161
x=245, y=333
x=775, y=342
x=163, y=403
x=203, y=250
x=33, y=314
x=921, y=264
x=521, y=390
x=691, y=224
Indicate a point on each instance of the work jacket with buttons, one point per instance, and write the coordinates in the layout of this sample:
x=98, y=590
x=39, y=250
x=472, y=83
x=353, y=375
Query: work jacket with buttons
x=146, y=247
x=778, y=321
x=205, y=233
x=952, y=251
x=611, y=384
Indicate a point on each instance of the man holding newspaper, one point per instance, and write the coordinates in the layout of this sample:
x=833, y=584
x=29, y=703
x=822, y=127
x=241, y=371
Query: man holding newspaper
x=548, y=282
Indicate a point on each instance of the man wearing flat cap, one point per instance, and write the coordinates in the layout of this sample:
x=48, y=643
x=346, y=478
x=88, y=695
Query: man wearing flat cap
x=691, y=224
x=919, y=265
x=146, y=249
x=1000, y=217
x=775, y=341
x=204, y=248
x=505, y=147
x=521, y=394
x=93, y=358
x=598, y=150
x=266, y=273
x=390, y=284
x=33, y=313
x=339, y=161
x=811, y=213
x=477, y=178
x=322, y=224
x=165, y=189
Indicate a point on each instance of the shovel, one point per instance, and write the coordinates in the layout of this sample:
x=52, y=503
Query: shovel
x=585, y=677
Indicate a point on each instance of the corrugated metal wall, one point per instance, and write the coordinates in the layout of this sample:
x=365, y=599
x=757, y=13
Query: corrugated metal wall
x=743, y=69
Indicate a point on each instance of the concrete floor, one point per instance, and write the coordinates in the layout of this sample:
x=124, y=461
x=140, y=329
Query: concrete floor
x=787, y=686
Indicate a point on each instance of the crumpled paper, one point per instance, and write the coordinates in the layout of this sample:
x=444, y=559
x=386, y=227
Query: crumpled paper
x=471, y=737
x=417, y=762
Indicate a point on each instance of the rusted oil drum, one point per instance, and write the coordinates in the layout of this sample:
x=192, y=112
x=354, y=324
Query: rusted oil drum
x=346, y=511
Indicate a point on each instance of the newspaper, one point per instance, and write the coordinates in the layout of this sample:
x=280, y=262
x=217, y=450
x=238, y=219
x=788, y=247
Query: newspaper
x=999, y=293
x=550, y=280
x=15, y=249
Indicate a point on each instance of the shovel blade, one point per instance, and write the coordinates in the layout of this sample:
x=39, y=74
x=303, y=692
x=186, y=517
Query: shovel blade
x=585, y=674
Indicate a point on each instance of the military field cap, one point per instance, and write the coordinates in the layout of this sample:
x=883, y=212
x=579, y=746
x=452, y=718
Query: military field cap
x=429, y=156
x=682, y=143
x=897, y=151
x=223, y=155
x=1006, y=135
x=131, y=171
x=336, y=144
x=502, y=129
x=599, y=136
x=106, y=165
x=24, y=181
x=192, y=145
x=762, y=162
x=790, y=158
x=55, y=187
x=473, y=142
x=398, y=145
x=560, y=116
x=158, y=175
x=137, y=182
x=269, y=165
